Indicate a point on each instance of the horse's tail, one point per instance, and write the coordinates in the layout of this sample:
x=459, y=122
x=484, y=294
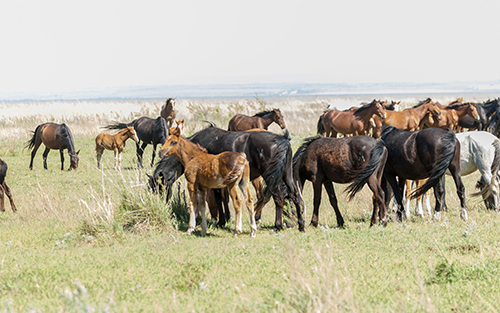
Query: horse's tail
x=441, y=165
x=3, y=171
x=495, y=168
x=298, y=156
x=237, y=170
x=118, y=125
x=30, y=144
x=378, y=156
x=321, y=127
x=276, y=167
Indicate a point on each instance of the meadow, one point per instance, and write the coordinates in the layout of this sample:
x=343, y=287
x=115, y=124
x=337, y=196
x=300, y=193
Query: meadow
x=98, y=241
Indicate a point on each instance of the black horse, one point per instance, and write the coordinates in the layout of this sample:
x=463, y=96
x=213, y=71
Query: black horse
x=357, y=160
x=269, y=156
x=149, y=131
x=418, y=155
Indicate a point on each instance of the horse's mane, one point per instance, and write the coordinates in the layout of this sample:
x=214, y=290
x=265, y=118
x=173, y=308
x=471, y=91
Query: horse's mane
x=199, y=147
x=365, y=106
x=66, y=132
x=261, y=114
x=303, y=148
x=386, y=130
x=458, y=105
x=422, y=102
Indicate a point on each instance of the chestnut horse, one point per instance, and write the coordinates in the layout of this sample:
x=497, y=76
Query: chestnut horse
x=450, y=116
x=53, y=136
x=208, y=171
x=408, y=119
x=349, y=122
x=5, y=188
x=241, y=122
x=167, y=111
x=114, y=142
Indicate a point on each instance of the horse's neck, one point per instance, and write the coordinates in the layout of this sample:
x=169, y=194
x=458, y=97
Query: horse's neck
x=461, y=111
x=366, y=113
x=267, y=120
x=186, y=151
x=421, y=110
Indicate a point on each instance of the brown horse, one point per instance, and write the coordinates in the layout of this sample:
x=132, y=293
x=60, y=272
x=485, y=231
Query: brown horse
x=450, y=116
x=5, y=188
x=348, y=122
x=167, y=111
x=208, y=171
x=114, y=142
x=53, y=136
x=241, y=122
x=408, y=119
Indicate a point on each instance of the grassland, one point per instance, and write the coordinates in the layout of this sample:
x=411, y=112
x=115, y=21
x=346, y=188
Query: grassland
x=95, y=240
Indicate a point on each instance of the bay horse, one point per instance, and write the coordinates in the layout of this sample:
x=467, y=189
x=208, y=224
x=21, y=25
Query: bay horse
x=149, y=131
x=167, y=111
x=269, y=156
x=357, y=160
x=53, y=136
x=421, y=154
x=349, y=122
x=114, y=142
x=451, y=115
x=241, y=122
x=408, y=119
x=208, y=171
x=4, y=188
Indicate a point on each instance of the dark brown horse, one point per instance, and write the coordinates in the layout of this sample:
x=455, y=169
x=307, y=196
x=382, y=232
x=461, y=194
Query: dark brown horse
x=241, y=122
x=357, y=160
x=418, y=155
x=349, y=122
x=5, y=188
x=53, y=136
x=167, y=111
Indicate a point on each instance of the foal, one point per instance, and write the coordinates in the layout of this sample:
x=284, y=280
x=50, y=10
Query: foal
x=208, y=171
x=113, y=142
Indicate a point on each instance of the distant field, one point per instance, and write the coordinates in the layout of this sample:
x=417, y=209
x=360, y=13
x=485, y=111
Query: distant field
x=91, y=240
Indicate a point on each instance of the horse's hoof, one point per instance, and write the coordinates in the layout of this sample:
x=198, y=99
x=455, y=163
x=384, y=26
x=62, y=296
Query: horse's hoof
x=190, y=231
x=436, y=216
x=463, y=215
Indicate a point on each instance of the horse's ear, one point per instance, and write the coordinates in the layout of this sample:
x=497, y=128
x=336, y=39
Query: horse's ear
x=182, y=122
x=78, y=152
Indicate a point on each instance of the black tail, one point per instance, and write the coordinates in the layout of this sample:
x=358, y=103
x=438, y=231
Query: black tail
x=31, y=143
x=441, y=165
x=118, y=125
x=378, y=155
x=276, y=166
x=320, y=127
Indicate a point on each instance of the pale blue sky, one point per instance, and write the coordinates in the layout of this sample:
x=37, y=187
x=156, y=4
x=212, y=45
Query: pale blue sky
x=65, y=45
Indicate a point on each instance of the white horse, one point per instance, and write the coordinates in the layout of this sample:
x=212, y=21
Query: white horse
x=479, y=150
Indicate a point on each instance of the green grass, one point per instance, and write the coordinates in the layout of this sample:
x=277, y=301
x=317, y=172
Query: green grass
x=91, y=240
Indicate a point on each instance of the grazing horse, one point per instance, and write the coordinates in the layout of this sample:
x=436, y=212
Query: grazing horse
x=149, y=131
x=241, y=122
x=408, y=119
x=53, y=136
x=357, y=160
x=451, y=115
x=418, y=155
x=208, y=171
x=5, y=188
x=348, y=122
x=114, y=142
x=269, y=155
x=167, y=111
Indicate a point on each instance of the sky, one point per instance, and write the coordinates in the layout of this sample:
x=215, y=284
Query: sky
x=67, y=45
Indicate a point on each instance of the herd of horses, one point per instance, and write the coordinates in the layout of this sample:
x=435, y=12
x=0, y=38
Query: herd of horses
x=382, y=148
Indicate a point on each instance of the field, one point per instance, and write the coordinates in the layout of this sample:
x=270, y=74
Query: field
x=96, y=240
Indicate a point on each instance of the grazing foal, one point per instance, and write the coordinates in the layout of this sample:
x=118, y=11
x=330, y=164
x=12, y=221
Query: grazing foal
x=208, y=171
x=113, y=142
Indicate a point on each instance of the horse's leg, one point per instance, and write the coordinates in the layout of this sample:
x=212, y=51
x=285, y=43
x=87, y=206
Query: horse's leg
x=236, y=197
x=257, y=185
x=333, y=201
x=61, y=152
x=45, y=154
x=439, y=195
x=317, y=186
x=407, y=192
x=202, y=200
x=218, y=200
x=278, y=203
x=116, y=158
x=402, y=212
x=455, y=173
x=193, y=195
x=391, y=179
x=378, y=200
x=2, y=202
x=38, y=142
x=99, y=152
x=139, y=152
x=153, y=157
x=244, y=186
x=9, y=194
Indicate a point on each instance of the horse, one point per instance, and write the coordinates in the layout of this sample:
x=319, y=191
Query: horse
x=53, y=136
x=450, y=116
x=167, y=111
x=269, y=156
x=357, y=160
x=4, y=188
x=349, y=122
x=478, y=151
x=421, y=154
x=393, y=106
x=114, y=142
x=241, y=122
x=149, y=131
x=208, y=171
x=408, y=119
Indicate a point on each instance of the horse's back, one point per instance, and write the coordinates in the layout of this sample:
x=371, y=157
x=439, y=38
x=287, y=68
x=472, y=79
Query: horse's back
x=240, y=122
x=50, y=135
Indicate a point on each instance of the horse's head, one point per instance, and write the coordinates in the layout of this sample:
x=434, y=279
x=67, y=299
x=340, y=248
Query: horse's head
x=278, y=118
x=131, y=133
x=180, y=125
x=74, y=160
x=380, y=111
x=171, y=143
x=170, y=101
x=472, y=111
x=433, y=109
